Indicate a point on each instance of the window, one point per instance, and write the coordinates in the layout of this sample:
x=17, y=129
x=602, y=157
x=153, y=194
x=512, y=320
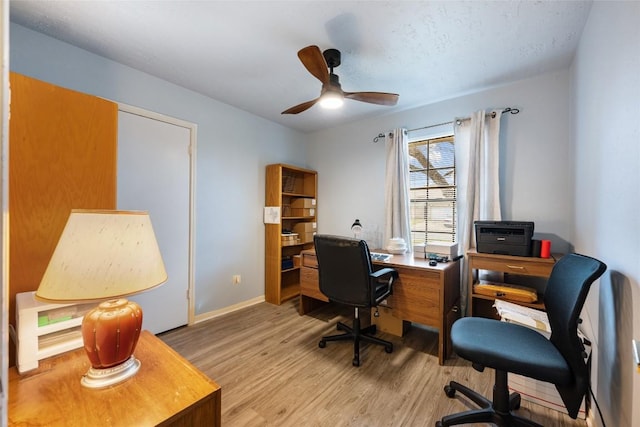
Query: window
x=432, y=192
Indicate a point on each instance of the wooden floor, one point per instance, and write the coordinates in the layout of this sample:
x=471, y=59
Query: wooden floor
x=272, y=373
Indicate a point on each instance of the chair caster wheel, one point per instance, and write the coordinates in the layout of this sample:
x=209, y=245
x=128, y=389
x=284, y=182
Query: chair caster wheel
x=388, y=348
x=355, y=362
x=438, y=423
x=322, y=344
x=449, y=391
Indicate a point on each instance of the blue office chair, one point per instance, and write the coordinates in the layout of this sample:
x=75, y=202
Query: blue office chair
x=508, y=347
x=346, y=277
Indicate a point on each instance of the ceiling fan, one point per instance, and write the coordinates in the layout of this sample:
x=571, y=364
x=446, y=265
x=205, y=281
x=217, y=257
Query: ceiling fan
x=332, y=95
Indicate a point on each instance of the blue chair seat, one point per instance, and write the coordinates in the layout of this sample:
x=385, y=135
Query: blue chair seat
x=514, y=348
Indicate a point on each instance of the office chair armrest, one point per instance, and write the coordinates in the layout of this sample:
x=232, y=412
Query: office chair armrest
x=382, y=284
x=382, y=273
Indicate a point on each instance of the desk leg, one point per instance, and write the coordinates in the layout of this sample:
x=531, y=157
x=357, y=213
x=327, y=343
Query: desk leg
x=445, y=347
x=450, y=318
x=442, y=350
x=473, y=277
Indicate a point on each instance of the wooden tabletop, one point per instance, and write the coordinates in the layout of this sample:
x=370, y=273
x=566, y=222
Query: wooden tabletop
x=406, y=260
x=167, y=390
x=410, y=261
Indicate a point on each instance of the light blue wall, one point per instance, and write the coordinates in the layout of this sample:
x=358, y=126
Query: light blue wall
x=606, y=81
x=536, y=168
x=232, y=150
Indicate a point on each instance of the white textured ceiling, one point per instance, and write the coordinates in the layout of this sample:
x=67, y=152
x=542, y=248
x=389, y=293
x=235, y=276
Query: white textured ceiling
x=244, y=53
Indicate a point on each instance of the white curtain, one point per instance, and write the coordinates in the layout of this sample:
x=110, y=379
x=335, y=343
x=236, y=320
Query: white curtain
x=477, y=144
x=397, y=216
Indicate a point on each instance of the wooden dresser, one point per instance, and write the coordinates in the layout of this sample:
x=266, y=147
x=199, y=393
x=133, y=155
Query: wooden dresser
x=166, y=391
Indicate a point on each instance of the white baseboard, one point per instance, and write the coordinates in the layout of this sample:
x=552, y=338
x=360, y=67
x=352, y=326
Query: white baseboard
x=226, y=310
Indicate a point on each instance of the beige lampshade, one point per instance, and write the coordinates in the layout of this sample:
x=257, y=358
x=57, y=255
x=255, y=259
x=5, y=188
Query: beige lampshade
x=103, y=254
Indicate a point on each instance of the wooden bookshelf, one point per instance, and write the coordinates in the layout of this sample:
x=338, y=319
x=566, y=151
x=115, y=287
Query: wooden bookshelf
x=293, y=191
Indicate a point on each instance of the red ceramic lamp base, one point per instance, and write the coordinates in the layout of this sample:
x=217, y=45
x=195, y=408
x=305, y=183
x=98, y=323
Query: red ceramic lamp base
x=110, y=333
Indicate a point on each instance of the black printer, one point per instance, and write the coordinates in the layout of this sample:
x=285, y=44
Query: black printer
x=504, y=237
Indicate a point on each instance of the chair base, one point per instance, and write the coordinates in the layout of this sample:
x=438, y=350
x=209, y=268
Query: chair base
x=498, y=412
x=356, y=335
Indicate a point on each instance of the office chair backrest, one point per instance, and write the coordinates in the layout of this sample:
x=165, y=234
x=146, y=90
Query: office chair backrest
x=564, y=297
x=344, y=266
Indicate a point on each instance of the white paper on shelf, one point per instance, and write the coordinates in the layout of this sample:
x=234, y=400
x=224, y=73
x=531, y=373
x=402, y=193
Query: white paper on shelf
x=516, y=313
x=272, y=215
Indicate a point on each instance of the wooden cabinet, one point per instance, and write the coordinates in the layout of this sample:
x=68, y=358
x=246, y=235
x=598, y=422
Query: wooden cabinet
x=481, y=305
x=291, y=191
x=63, y=151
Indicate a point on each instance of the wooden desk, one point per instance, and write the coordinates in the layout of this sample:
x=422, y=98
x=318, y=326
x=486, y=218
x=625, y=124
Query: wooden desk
x=422, y=294
x=166, y=391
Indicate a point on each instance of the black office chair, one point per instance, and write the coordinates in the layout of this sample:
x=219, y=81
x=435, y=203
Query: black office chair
x=508, y=347
x=346, y=277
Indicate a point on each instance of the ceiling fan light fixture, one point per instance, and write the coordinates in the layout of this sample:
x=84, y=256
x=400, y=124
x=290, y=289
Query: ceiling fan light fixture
x=331, y=100
x=332, y=96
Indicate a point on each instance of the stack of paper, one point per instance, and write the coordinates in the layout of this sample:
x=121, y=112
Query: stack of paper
x=535, y=319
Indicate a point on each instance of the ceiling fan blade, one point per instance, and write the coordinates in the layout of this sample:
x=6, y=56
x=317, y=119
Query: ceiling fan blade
x=301, y=107
x=380, y=98
x=313, y=60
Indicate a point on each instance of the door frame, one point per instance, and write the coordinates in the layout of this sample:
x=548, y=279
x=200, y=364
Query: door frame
x=192, y=128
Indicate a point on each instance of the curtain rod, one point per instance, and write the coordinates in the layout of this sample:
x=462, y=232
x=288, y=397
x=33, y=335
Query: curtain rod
x=457, y=121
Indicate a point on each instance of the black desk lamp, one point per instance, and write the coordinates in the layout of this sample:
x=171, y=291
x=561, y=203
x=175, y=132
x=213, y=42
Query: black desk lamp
x=356, y=227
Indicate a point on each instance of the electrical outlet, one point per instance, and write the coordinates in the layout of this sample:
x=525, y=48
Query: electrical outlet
x=236, y=279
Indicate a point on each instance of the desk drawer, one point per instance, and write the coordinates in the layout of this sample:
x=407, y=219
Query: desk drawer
x=309, y=283
x=416, y=297
x=309, y=259
x=532, y=267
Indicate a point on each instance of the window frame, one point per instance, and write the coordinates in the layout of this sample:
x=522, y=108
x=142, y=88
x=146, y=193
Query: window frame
x=429, y=204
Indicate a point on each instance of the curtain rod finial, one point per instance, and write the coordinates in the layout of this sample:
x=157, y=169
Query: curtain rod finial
x=380, y=135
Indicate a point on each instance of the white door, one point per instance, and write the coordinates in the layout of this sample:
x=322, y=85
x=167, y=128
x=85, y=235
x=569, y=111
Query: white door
x=154, y=169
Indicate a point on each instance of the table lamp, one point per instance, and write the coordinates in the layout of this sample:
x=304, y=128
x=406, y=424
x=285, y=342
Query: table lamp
x=104, y=255
x=356, y=227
